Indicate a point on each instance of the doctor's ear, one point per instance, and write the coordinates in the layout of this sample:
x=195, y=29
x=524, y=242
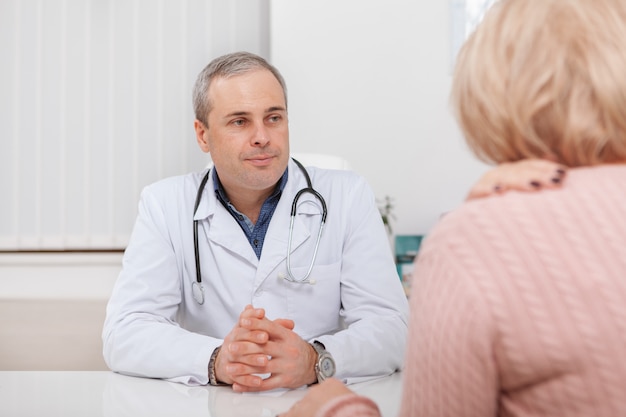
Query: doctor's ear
x=202, y=135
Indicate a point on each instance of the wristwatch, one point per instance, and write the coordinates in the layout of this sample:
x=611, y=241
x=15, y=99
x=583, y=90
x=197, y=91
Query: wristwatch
x=325, y=364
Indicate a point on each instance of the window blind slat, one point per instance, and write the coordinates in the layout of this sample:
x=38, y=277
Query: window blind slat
x=96, y=104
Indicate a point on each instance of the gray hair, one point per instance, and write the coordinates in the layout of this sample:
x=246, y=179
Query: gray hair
x=226, y=66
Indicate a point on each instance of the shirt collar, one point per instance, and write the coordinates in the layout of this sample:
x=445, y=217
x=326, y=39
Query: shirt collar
x=221, y=194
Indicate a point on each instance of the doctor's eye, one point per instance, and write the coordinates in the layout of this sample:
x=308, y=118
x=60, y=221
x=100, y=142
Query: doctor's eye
x=238, y=122
x=275, y=119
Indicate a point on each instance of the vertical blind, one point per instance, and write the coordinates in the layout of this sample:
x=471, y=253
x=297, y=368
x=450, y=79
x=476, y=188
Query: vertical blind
x=95, y=103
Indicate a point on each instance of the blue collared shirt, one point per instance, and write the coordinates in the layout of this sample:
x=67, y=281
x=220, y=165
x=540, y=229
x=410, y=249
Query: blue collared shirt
x=254, y=233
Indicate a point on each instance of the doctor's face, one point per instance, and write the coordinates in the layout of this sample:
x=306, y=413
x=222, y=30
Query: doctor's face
x=247, y=133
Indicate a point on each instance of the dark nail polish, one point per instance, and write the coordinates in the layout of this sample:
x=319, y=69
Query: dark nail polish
x=556, y=180
x=535, y=184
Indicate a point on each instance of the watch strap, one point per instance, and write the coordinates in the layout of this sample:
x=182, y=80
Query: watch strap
x=319, y=347
x=212, y=375
x=322, y=354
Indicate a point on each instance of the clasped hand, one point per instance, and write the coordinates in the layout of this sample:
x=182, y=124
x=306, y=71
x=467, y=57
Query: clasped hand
x=257, y=346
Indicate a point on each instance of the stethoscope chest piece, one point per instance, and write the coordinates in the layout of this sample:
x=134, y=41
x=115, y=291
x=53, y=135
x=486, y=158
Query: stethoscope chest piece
x=290, y=278
x=197, y=290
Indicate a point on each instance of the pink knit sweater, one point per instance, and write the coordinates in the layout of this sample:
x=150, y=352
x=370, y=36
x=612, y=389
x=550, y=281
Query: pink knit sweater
x=518, y=305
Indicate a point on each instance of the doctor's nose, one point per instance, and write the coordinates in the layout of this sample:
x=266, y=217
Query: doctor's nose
x=260, y=136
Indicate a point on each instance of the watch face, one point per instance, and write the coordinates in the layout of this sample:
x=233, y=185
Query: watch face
x=327, y=367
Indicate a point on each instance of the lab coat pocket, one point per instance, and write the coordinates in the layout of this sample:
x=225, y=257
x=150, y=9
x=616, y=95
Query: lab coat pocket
x=314, y=303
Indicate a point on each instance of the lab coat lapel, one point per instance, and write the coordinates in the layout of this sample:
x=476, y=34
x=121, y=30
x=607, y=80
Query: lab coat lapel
x=221, y=228
x=226, y=232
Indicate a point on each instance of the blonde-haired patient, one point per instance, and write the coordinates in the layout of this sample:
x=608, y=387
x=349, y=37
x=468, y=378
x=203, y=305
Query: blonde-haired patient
x=518, y=306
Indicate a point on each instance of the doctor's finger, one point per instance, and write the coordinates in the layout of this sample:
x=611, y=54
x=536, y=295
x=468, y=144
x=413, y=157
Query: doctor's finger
x=242, y=334
x=250, y=312
x=249, y=364
x=292, y=380
x=291, y=360
x=286, y=323
x=267, y=382
x=248, y=382
x=246, y=335
x=240, y=351
x=273, y=328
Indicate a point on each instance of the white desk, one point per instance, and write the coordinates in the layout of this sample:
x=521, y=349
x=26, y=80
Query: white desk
x=102, y=393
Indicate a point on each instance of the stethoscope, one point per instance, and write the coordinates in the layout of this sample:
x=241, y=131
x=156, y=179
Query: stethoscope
x=197, y=288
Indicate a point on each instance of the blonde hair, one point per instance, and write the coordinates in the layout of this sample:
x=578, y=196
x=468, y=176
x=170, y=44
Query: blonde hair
x=545, y=78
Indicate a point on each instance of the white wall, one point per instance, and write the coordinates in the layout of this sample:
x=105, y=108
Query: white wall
x=369, y=80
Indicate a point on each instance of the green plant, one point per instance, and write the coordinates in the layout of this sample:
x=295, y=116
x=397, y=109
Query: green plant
x=385, y=207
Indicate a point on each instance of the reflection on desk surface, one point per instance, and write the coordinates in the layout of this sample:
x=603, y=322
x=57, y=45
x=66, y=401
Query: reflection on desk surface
x=112, y=395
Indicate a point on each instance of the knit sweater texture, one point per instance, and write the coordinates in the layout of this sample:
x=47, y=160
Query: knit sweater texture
x=518, y=305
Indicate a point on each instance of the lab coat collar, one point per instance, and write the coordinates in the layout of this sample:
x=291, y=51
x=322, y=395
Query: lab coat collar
x=296, y=182
x=221, y=224
x=208, y=201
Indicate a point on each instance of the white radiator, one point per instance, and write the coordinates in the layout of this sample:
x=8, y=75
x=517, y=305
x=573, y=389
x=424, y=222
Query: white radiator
x=95, y=103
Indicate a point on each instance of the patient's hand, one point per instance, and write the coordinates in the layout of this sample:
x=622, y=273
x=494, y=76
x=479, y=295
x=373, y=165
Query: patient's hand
x=524, y=175
x=316, y=397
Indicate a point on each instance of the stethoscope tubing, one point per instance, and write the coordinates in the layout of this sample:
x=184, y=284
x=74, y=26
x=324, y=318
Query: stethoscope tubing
x=294, y=207
x=198, y=288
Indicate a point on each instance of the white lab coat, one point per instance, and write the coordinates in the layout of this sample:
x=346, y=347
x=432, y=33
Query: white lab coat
x=356, y=307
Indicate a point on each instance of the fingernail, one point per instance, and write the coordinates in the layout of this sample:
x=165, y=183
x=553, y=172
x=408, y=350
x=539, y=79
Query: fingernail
x=556, y=180
x=535, y=184
x=246, y=322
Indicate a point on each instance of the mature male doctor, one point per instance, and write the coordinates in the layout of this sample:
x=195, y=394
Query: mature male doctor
x=255, y=317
